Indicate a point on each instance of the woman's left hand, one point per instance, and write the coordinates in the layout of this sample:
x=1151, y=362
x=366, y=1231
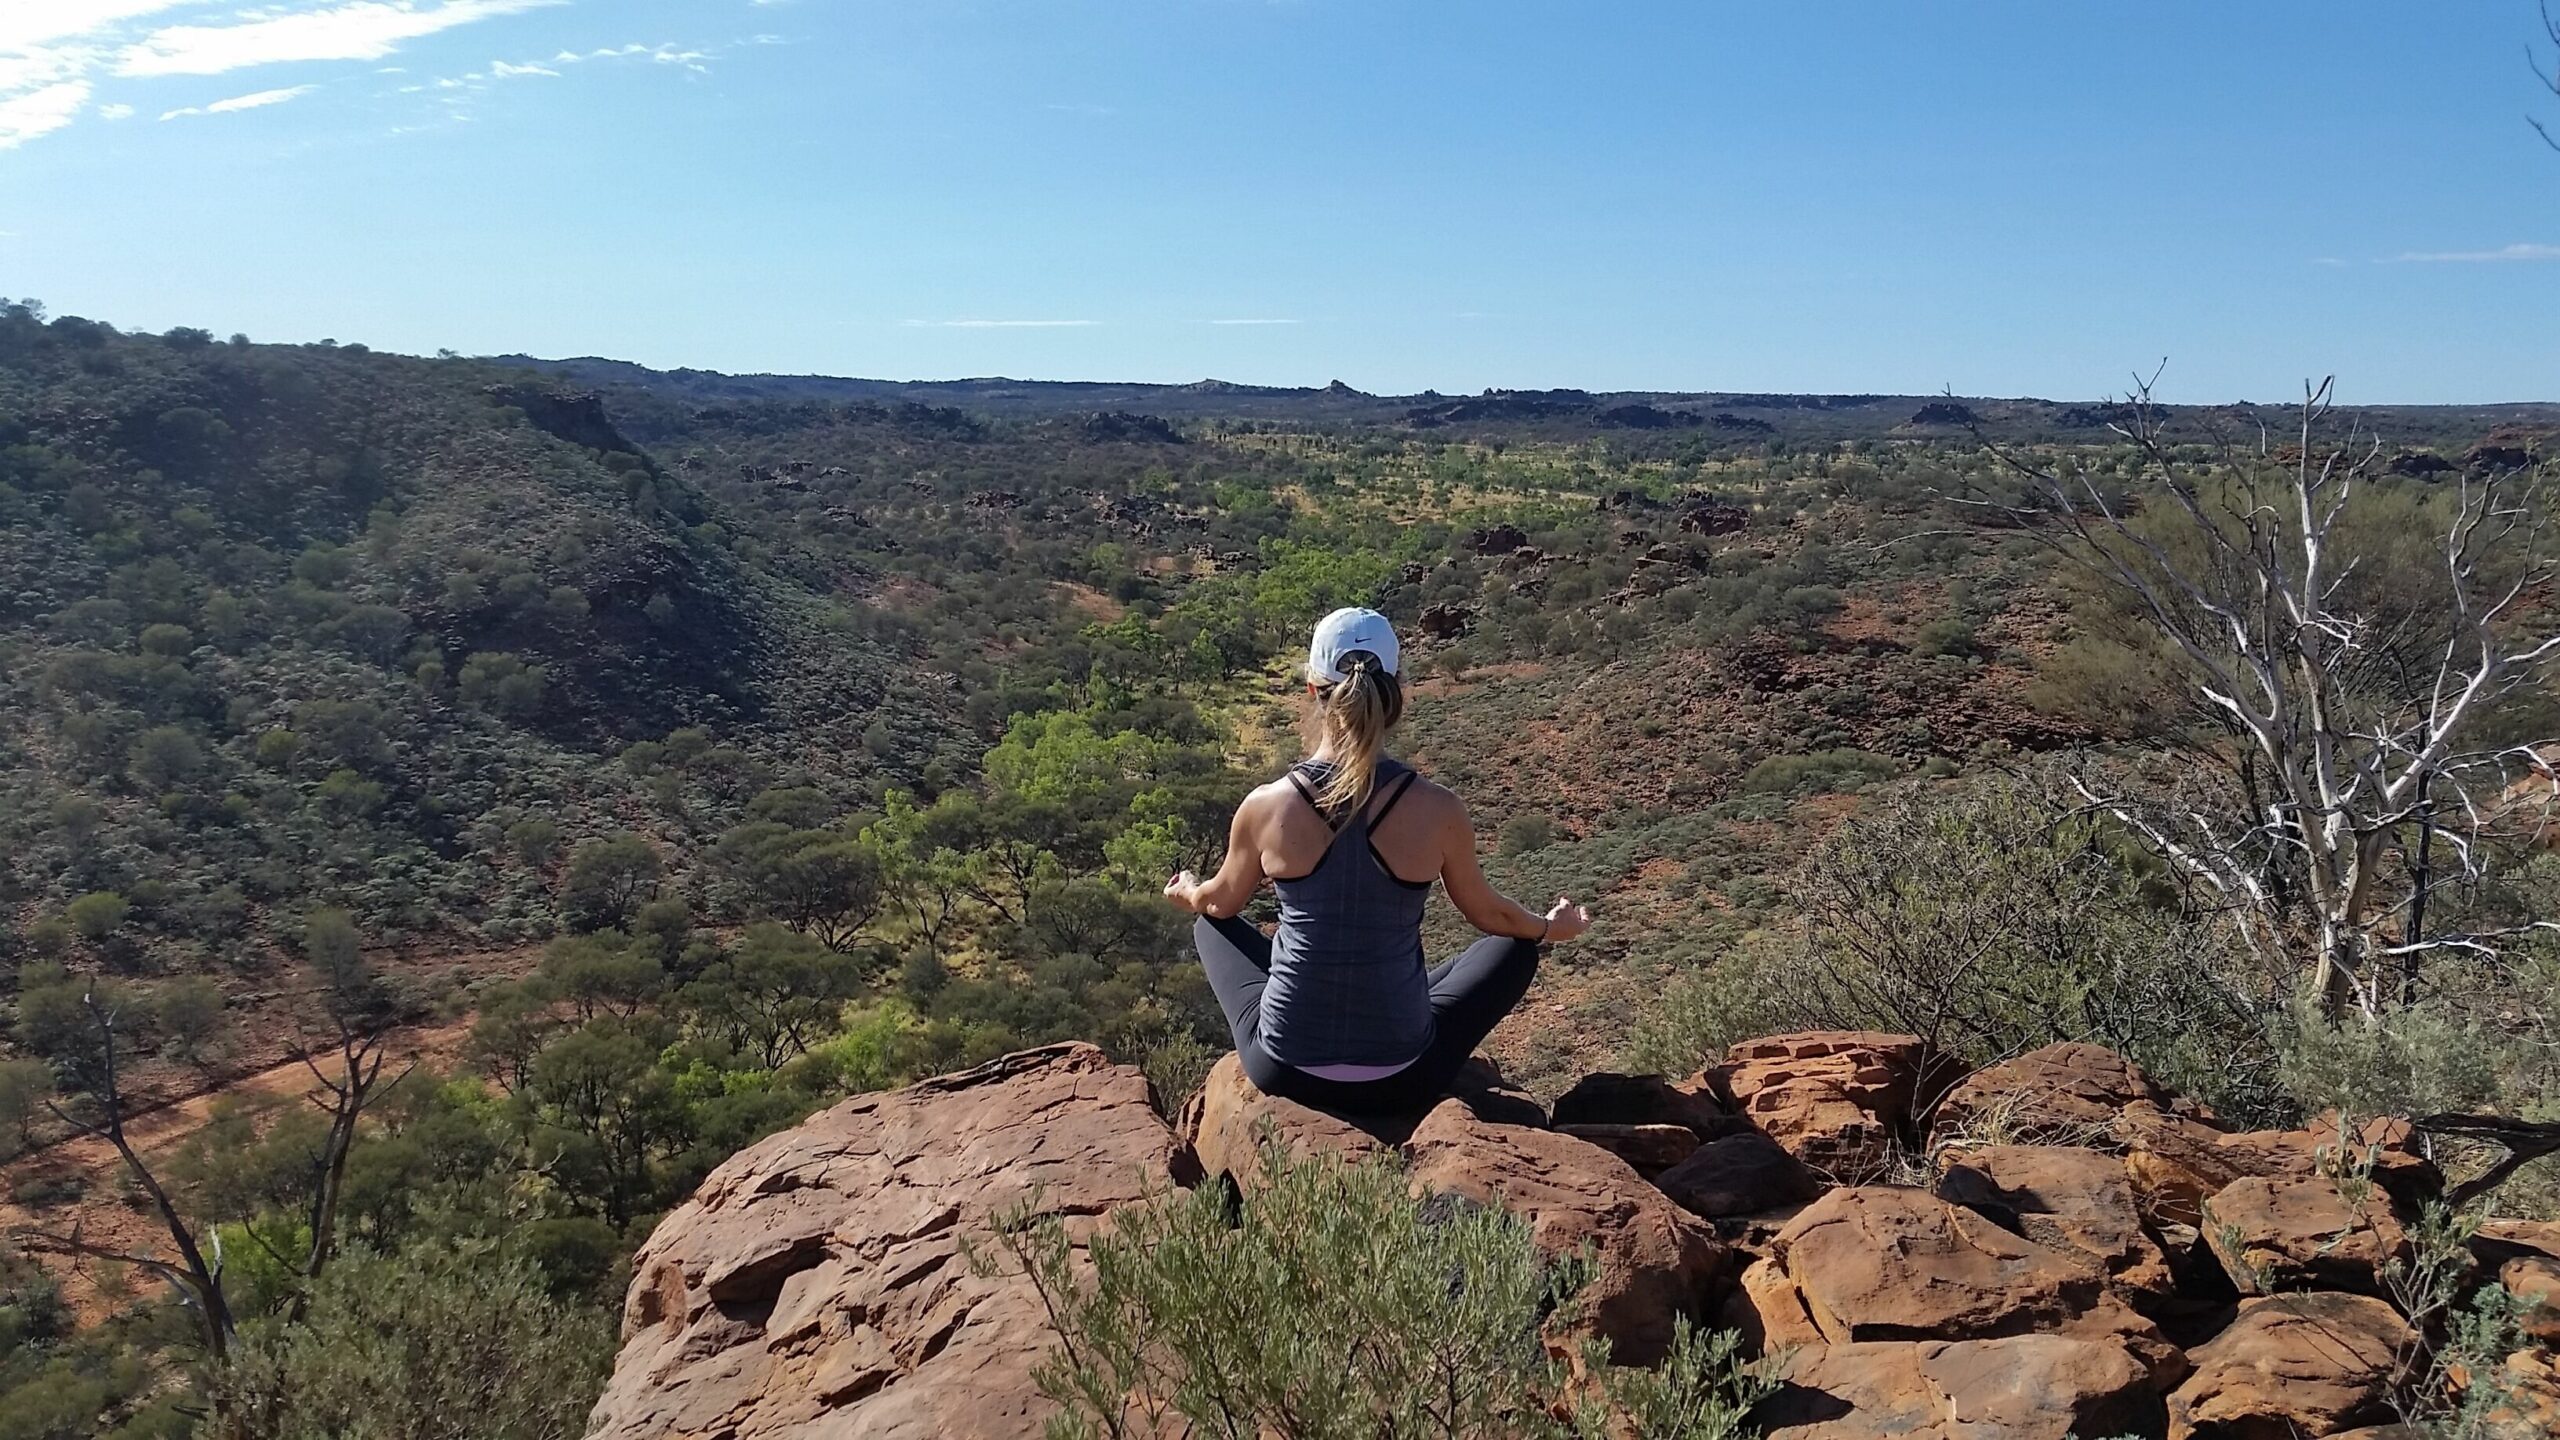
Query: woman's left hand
x=1183, y=892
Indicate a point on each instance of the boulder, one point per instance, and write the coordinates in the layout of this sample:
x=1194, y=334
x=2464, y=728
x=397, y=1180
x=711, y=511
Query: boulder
x=1611, y=1099
x=1837, y=1100
x=2501, y=1239
x=2529, y=1396
x=1768, y=1310
x=815, y=1281
x=2068, y=1199
x=2179, y=1161
x=2277, y=1235
x=2293, y=1365
x=1650, y=1149
x=1652, y=1261
x=1228, y=1116
x=2387, y=1150
x=1887, y=1263
x=1743, y=1174
x=2068, y=1094
x=2535, y=1282
x=1445, y=621
x=2025, y=1387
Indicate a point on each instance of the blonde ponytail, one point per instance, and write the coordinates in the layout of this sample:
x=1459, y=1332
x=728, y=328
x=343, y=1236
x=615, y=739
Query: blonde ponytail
x=1353, y=716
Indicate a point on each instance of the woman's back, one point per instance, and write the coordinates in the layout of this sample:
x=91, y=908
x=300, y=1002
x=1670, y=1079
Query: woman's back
x=1348, y=985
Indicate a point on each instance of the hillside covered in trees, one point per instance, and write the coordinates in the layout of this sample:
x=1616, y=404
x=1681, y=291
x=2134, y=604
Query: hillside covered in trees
x=581, y=772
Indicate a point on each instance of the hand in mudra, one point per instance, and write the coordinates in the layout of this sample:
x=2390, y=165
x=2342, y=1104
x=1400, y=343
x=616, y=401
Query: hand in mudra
x=1566, y=920
x=1178, y=891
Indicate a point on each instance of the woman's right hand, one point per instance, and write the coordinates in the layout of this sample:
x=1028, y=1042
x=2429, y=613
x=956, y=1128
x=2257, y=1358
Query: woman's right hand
x=1566, y=920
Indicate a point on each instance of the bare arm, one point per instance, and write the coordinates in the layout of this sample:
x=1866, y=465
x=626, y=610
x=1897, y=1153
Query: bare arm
x=1488, y=909
x=1239, y=877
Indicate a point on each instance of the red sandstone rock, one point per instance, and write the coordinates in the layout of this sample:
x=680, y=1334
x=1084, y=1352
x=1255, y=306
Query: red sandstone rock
x=1837, y=1100
x=1882, y=1263
x=2067, y=1094
x=2535, y=1281
x=2292, y=1365
x=2277, y=1235
x=1653, y=1261
x=2066, y=1198
x=1744, y=1174
x=1227, y=1119
x=814, y=1283
x=2026, y=1387
x=1610, y=1099
x=2178, y=1162
x=1651, y=1149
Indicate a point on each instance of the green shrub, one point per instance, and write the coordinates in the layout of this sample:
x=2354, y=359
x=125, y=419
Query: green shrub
x=1820, y=773
x=1340, y=1306
x=1527, y=833
x=445, y=1341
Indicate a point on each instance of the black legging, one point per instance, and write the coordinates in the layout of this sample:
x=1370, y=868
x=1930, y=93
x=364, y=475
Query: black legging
x=1469, y=996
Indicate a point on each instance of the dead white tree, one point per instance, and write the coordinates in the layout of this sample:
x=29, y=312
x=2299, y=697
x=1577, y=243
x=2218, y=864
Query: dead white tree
x=2355, y=708
x=2548, y=72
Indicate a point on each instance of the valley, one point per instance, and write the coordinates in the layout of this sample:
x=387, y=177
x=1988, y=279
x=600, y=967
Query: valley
x=659, y=758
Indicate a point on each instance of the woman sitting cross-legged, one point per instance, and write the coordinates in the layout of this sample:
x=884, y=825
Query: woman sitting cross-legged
x=1338, y=1010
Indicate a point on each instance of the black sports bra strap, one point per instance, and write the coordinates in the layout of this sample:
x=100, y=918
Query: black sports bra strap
x=1312, y=803
x=1392, y=797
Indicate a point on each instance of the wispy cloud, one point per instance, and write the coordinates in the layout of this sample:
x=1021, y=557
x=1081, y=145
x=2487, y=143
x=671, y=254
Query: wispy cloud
x=364, y=30
x=54, y=54
x=2503, y=254
x=1004, y=324
x=30, y=114
x=1257, y=322
x=256, y=101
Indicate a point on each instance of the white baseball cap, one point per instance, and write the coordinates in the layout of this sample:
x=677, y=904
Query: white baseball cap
x=1344, y=631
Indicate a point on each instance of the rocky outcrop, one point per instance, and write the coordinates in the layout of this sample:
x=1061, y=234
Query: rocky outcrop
x=575, y=416
x=2295, y=1365
x=1445, y=620
x=815, y=1282
x=1613, y=1099
x=1714, y=517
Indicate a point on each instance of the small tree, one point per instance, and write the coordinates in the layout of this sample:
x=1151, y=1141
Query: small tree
x=189, y=1012
x=610, y=878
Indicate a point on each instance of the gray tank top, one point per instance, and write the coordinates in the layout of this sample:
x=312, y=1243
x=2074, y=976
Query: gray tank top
x=1348, y=986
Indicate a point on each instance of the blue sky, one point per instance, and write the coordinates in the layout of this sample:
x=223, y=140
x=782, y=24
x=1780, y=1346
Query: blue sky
x=2002, y=198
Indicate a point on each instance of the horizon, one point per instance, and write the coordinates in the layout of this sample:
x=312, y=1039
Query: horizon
x=2004, y=202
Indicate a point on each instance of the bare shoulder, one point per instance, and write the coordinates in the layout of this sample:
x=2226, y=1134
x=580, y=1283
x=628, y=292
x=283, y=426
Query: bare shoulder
x=1436, y=800
x=1261, y=798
